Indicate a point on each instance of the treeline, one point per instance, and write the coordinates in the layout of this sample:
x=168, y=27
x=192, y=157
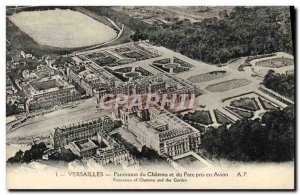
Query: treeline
x=133, y=23
x=281, y=83
x=12, y=109
x=246, y=31
x=268, y=139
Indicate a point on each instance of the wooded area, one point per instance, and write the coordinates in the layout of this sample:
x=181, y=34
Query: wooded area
x=268, y=139
x=246, y=31
x=281, y=83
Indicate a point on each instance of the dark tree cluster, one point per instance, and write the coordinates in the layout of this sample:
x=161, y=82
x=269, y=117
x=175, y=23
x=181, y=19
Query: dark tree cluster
x=37, y=151
x=34, y=153
x=149, y=154
x=12, y=109
x=64, y=155
x=146, y=154
x=246, y=31
x=265, y=140
x=280, y=83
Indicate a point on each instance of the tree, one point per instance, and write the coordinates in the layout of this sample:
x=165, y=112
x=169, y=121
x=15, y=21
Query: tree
x=16, y=158
x=268, y=139
x=246, y=31
x=280, y=83
x=34, y=153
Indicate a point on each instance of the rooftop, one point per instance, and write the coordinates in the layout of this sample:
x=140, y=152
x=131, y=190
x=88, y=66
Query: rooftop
x=169, y=134
x=84, y=123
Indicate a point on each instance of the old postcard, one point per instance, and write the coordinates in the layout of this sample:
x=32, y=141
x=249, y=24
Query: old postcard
x=150, y=97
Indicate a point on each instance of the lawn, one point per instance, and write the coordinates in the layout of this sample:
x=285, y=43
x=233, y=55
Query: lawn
x=123, y=70
x=108, y=61
x=276, y=62
x=221, y=118
x=241, y=113
x=245, y=103
x=142, y=71
x=163, y=61
x=134, y=54
x=63, y=28
x=208, y=76
x=202, y=117
x=228, y=85
x=267, y=105
x=20, y=40
x=182, y=63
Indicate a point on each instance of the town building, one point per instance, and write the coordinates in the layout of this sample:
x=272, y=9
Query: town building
x=48, y=92
x=40, y=72
x=91, y=140
x=111, y=151
x=64, y=135
x=10, y=89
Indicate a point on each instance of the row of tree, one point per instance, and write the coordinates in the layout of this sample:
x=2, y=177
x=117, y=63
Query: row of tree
x=268, y=139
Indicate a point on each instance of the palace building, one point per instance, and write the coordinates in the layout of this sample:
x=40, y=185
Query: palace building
x=91, y=140
x=160, y=130
x=98, y=72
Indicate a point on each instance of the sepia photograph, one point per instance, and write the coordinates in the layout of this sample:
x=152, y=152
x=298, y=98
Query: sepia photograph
x=150, y=97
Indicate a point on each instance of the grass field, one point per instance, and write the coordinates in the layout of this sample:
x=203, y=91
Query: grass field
x=208, y=76
x=267, y=105
x=221, y=118
x=202, y=117
x=18, y=39
x=275, y=62
x=245, y=103
x=227, y=85
x=63, y=28
x=241, y=113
